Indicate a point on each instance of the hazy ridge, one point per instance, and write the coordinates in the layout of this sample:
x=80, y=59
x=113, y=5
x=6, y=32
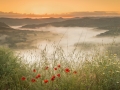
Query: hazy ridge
x=4, y=26
x=107, y=23
x=24, y=21
x=16, y=38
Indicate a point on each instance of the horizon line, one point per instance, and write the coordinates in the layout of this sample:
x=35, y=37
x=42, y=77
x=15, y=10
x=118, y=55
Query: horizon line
x=118, y=12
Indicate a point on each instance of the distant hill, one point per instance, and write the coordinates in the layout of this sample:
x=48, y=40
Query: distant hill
x=104, y=23
x=24, y=21
x=4, y=26
x=81, y=22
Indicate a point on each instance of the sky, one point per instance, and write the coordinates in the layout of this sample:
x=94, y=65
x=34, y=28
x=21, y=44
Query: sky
x=58, y=6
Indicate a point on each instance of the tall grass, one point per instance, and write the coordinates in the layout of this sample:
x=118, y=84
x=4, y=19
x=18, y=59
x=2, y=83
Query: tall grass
x=64, y=72
x=11, y=70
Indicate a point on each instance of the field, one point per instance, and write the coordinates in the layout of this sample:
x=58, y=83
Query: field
x=93, y=64
x=95, y=71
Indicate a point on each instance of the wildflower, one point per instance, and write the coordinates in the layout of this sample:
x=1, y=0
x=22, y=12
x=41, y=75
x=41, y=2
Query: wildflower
x=117, y=82
x=46, y=68
x=58, y=75
x=34, y=70
x=67, y=70
x=33, y=80
x=45, y=81
x=114, y=63
x=117, y=71
x=38, y=76
x=55, y=68
x=103, y=73
x=58, y=66
x=52, y=78
x=75, y=72
x=23, y=78
x=115, y=54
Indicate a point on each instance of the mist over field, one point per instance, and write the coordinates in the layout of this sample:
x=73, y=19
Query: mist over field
x=83, y=38
x=69, y=49
x=82, y=34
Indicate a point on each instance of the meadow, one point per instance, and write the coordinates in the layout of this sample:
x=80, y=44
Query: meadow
x=75, y=71
x=92, y=64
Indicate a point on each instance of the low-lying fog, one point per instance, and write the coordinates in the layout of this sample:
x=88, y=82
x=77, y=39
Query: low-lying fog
x=69, y=37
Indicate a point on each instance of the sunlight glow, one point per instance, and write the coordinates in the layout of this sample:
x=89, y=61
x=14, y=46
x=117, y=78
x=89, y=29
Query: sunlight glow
x=58, y=6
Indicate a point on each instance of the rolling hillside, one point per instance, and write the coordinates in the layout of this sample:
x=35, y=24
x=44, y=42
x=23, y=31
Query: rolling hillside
x=4, y=26
x=109, y=23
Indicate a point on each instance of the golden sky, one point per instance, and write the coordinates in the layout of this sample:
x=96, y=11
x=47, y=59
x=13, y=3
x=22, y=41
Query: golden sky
x=58, y=6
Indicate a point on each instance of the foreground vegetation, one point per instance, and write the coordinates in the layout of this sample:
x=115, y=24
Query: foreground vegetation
x=60, y=72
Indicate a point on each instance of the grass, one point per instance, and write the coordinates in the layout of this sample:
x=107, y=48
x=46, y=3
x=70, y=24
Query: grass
x=11, y=70
x=72, y=72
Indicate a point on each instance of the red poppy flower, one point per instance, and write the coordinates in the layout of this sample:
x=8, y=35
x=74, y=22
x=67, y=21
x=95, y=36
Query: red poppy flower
x=33, y=80
x=75, y=72
x=45, y=81
x=58, y=75
x=46, y=68
x=38, y=76
x=59, y=66
x=23, y=78
x=53, y=78
x=67, y=70
x=55, y=68
x=34, y=70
